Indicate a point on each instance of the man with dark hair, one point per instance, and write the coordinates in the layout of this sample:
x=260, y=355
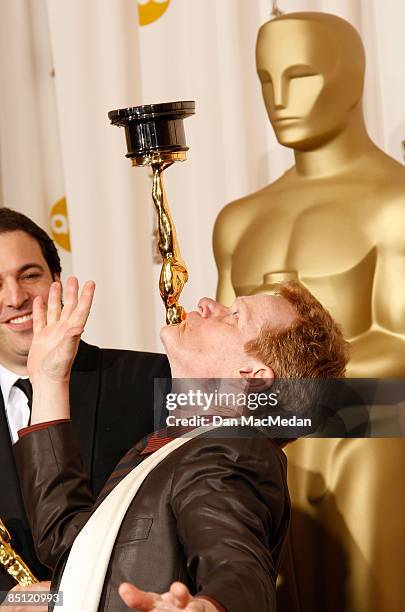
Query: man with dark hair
x=111, y=390
x=13, y=221
x=204, y=509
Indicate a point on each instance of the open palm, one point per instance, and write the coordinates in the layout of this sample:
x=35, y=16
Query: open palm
x=177, y=599
x=57, y=330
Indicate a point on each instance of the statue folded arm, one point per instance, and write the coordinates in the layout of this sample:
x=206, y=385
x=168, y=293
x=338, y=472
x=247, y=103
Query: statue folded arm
x=225, y=237
x=380, y=351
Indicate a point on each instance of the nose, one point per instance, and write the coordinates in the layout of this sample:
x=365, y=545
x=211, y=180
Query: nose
x=210, y=308
x=13, y=294
x=280, y=92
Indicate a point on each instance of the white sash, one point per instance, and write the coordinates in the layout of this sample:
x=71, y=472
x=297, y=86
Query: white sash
x=83, y=578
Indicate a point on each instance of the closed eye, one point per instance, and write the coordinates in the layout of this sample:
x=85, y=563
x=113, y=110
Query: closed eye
x=232, y=316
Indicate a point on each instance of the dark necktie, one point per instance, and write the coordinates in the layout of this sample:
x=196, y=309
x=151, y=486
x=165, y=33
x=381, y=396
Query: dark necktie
x=130, y=460
x=25, y=385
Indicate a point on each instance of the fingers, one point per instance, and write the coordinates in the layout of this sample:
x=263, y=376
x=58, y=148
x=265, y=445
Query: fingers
x=69, y=297
x=74, y=309
x=176, y=599
x=54, y=303
x=38, y=315
x=180, y=594
x=82, y=311
x=136, y=599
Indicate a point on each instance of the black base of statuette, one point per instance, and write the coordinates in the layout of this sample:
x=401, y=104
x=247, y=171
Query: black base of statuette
x=154, y=128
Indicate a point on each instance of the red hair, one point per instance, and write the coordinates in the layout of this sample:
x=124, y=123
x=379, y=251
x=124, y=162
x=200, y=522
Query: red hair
x=313, y=347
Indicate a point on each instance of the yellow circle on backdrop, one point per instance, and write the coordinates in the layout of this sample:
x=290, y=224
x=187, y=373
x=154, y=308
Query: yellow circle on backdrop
x=60, y=224
x=151, y=10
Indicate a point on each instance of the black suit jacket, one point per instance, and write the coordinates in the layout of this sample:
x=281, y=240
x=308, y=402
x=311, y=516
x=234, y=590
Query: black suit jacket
x=111, y=396
x=213, y=515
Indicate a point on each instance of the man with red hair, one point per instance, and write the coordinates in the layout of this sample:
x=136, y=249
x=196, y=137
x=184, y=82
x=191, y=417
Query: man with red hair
x=198, y=524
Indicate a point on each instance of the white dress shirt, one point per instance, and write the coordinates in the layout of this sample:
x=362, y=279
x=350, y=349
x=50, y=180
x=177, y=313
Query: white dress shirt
x=15, y=402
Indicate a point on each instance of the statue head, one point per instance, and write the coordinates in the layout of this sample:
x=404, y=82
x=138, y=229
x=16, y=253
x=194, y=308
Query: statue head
x=311, y=66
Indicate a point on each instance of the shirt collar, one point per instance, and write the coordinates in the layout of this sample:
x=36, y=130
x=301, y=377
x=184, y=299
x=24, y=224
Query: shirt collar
x=7, y=380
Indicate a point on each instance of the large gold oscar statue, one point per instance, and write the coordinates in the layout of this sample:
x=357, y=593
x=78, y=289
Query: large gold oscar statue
x=335, y=220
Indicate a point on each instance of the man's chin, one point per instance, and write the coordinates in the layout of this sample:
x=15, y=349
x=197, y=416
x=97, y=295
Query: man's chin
x=168, y=333
x=20, y=342
x=23, y=349
x=14, y=355
x=171, y=337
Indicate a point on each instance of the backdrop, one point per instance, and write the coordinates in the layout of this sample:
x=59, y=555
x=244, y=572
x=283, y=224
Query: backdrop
x=65, y=63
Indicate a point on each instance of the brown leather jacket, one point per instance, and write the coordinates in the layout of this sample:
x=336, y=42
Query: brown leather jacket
x=213, y=515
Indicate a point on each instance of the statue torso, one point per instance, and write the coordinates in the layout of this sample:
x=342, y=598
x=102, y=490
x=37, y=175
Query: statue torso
x=330, y=232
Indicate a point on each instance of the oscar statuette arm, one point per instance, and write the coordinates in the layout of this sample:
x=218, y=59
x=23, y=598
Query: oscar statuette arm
x=173, y=275
x=380, y=351
x=223, y=239
x=377, y=354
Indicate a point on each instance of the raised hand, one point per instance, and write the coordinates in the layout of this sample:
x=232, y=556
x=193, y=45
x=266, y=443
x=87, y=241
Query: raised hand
x=57, y=330
x=177, y=599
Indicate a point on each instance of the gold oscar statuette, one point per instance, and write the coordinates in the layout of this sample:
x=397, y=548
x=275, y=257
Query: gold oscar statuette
x=155, y=137
x=12, y=562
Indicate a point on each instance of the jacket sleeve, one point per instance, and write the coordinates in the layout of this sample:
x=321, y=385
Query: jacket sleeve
x=231, y=503
x=55, y=489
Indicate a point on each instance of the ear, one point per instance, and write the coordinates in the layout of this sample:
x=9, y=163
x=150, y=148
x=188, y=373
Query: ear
x=260, y=376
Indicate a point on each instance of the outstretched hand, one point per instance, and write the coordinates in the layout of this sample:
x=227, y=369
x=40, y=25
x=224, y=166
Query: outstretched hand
x=57, y=330
x=177, y=599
